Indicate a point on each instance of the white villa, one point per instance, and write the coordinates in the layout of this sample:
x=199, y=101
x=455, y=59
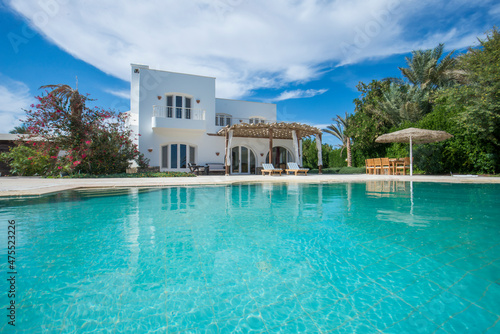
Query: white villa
x=180, y=121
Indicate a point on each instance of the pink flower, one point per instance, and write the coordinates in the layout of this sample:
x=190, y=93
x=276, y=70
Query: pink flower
x=59, y=167
x=83, y=155
x=30, y=158
x=70, y=158
x=53, y=157
x=88, y=142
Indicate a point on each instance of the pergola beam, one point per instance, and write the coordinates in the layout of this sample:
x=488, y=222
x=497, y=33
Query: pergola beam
x=271, y=131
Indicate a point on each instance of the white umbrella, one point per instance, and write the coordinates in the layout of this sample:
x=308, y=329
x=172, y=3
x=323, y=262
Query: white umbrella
x=413, y=135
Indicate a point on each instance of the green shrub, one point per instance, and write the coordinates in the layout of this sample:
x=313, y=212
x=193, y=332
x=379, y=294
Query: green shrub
x=26, y=161
x=128, y=175
x=336, y=159
x=352, y=170
x=340, y=170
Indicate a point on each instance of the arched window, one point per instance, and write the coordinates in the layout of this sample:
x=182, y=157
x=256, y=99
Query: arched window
x=280, y=157
x=177, y=156
x=178, y=105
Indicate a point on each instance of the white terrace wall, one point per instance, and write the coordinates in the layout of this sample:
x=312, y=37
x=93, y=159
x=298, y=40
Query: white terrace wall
x=152, y=91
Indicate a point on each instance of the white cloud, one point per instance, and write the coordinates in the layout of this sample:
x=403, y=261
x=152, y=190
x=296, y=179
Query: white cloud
x=245, y=44
x=124, y=94
x=298, y=94
x=495, y=11
x=14, y=98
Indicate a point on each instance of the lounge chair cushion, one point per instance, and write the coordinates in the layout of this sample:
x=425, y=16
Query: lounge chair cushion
x=293, y=167
x=269, y=168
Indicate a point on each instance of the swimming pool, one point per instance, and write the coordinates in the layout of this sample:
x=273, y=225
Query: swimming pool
x=384, y=256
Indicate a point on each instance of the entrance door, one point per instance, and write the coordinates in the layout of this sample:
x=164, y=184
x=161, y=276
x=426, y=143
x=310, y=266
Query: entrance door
x=242, y=160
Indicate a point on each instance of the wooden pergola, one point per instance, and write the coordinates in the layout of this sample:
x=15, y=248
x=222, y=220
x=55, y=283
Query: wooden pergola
x=281, y=130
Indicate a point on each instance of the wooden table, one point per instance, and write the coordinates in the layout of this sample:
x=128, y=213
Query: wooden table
x=394, y=163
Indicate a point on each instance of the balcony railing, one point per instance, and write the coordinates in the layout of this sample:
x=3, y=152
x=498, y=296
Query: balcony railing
x=179, y=113
x=225, y=120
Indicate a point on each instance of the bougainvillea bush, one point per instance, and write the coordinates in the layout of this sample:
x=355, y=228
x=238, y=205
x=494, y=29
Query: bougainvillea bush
x=77, y=139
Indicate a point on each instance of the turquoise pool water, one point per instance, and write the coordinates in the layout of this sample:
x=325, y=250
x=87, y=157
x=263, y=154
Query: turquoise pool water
x=343, y=258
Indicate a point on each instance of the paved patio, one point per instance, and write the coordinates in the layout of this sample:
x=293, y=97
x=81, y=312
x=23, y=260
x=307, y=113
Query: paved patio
x=26, y=186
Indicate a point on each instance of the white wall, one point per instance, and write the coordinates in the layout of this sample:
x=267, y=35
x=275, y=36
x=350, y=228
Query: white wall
x=149, y=84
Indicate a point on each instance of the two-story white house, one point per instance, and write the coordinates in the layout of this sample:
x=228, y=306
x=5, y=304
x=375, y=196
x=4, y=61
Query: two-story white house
x=178, y=117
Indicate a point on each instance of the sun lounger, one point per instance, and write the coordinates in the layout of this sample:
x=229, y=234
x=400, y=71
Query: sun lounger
x=293, y=167
x=269, y=168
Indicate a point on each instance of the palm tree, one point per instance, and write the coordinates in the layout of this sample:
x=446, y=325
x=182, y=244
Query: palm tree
x=402, y=103
x=21, y=129
x=69, y=97
x=338, y=130
x=426, y=71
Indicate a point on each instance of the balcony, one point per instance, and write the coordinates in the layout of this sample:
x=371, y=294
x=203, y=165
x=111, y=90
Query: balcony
x=178, y=118
x=224, y=119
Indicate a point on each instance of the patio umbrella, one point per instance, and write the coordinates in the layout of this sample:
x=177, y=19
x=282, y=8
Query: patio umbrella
x=413, y=135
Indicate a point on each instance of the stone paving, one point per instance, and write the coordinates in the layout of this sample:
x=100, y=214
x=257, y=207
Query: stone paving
x=29, y=186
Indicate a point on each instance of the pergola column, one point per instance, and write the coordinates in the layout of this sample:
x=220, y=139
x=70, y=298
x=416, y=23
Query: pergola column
x=227, y=153
x=270, y=145
x=320, y=153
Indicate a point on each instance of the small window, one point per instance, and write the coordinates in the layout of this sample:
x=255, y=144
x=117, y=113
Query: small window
x=191, y=154
x=178, y=106
x=170, y=104
x=256, y=120
x=164, y=156
x=173, y=156
x=188, y=107
x=222, y=119
x=183, y=156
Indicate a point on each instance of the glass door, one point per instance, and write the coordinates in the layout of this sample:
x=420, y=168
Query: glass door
x=235, y=160
x=242, y=160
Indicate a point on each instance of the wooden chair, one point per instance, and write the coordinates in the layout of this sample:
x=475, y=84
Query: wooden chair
x=370, y=167
x=403, y=166
x=195, y=169
x=377, y=162
x=386, y=166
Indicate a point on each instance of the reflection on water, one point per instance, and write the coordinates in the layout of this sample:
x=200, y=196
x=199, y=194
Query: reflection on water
x=387, y=188
x=351, y=257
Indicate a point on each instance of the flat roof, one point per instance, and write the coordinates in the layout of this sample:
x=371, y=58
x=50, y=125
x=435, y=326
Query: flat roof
x=10, y=136
x=146, y=67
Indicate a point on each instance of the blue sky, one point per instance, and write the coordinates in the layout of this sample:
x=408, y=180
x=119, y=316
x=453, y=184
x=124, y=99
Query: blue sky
x=304, y=55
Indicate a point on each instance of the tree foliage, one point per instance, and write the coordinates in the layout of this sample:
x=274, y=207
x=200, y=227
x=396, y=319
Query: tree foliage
x=474, y=108
x=310, y=154
x=425, y=70
x=366, y=124
x=26, y=160
x=339, y=130
x=76, y=138
x=21, y=129
x=460, y=95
